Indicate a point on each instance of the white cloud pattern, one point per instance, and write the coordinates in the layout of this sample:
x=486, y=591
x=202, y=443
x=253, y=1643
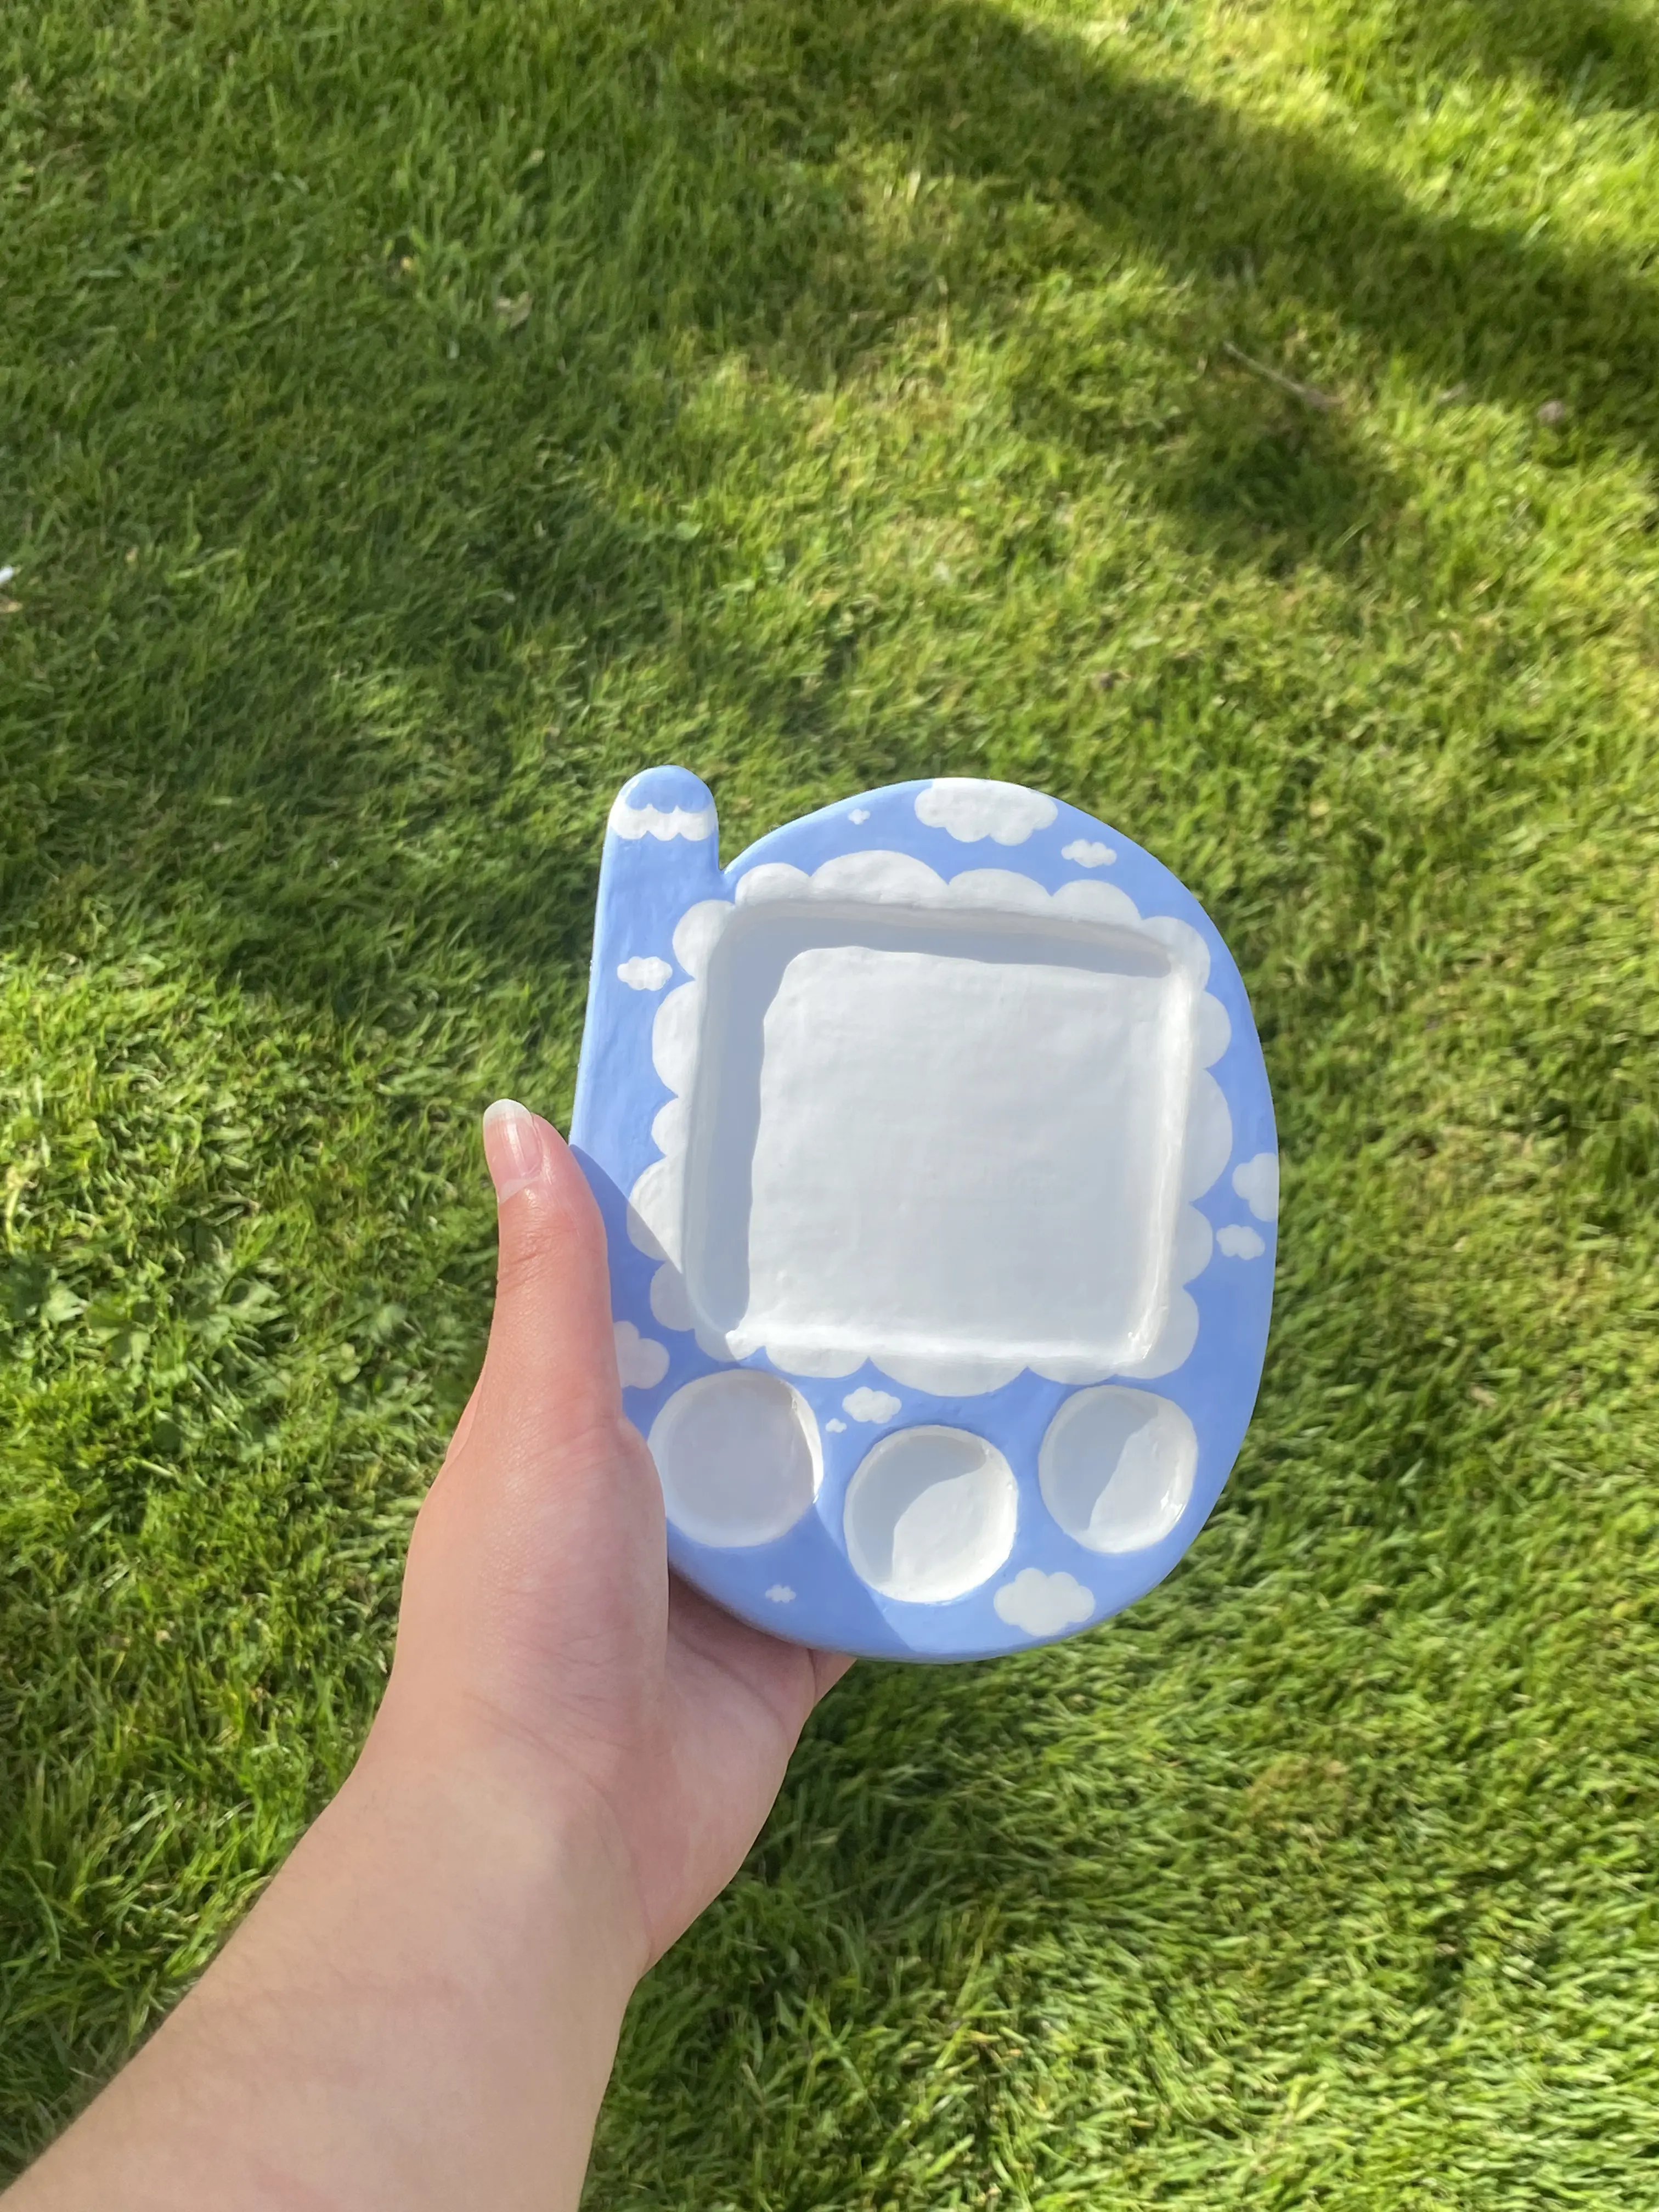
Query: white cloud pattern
x=835, y=1427
x=696, y=822
x=1042, y=1604
x=1239, y=1242
x=1088, y=853
x=644, y=972
x=642, y=1362
x=870, y=1404
x=781, y=1593
x=970, y=810
x=1256, y=1182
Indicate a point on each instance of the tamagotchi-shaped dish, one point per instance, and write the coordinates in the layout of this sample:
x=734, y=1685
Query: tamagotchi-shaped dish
x=936, y=1155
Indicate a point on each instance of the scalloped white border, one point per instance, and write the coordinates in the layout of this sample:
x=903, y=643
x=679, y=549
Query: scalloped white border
x=696, y=822
x=888, y=879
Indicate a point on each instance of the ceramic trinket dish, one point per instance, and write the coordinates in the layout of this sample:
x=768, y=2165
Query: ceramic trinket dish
x=936, y=1155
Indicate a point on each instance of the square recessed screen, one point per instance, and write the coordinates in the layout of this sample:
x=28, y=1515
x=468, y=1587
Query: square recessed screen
x=914, y=1133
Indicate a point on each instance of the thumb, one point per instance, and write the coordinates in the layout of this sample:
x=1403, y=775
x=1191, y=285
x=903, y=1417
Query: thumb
x=503, y=1555
x=550, y=1374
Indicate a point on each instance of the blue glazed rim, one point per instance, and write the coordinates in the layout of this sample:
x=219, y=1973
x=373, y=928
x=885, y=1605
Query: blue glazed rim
x=660, y=859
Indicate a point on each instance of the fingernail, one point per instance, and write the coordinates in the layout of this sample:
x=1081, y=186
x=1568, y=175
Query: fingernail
x=512, y=1146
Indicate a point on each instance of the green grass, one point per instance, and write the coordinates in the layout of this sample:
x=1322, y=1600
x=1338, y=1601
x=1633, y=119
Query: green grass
x=415, y=417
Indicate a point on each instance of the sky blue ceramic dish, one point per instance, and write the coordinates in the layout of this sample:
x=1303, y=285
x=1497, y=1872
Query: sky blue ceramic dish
x=937, y=1158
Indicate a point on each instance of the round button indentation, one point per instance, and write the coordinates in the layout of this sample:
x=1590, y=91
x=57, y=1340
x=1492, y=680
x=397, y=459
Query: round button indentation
x=930, y=1513
x=739, y=1457
x=1116, y=1467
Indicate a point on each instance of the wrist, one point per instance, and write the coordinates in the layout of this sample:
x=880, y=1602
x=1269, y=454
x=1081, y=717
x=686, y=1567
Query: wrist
x=515, y=1857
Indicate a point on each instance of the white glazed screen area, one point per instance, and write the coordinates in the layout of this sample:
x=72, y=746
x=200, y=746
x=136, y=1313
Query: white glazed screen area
x=914, y=1133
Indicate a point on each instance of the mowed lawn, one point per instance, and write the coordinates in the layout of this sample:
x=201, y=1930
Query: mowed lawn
x=416, y=416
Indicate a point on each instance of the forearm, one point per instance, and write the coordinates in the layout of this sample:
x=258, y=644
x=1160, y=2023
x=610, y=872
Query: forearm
x=421, y=2014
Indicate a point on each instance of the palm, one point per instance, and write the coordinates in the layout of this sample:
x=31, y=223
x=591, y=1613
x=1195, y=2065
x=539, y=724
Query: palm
x=734, y=1702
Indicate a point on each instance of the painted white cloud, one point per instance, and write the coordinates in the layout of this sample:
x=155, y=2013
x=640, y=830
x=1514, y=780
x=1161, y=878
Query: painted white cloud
x=1088, y=853
x=1043, y=1604
x=642, y=1362
x=1238, y=1243
x=859, y=814
x=1215, y=1030
x=1005, y=813
x=669, y=1304
x=835, y=1426
x=870, y=1404
x=781, y=1593
x=644, y=972
x=626, y=821
x=876, y=877
x=1256, y=1182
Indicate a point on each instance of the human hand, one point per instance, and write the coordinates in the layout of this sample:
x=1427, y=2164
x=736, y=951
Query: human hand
x=541, y=1634
x=572, y=1757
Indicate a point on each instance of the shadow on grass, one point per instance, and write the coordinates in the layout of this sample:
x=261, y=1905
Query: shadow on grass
x=298, y=770
x=1266, y=222
x=1598, y=53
